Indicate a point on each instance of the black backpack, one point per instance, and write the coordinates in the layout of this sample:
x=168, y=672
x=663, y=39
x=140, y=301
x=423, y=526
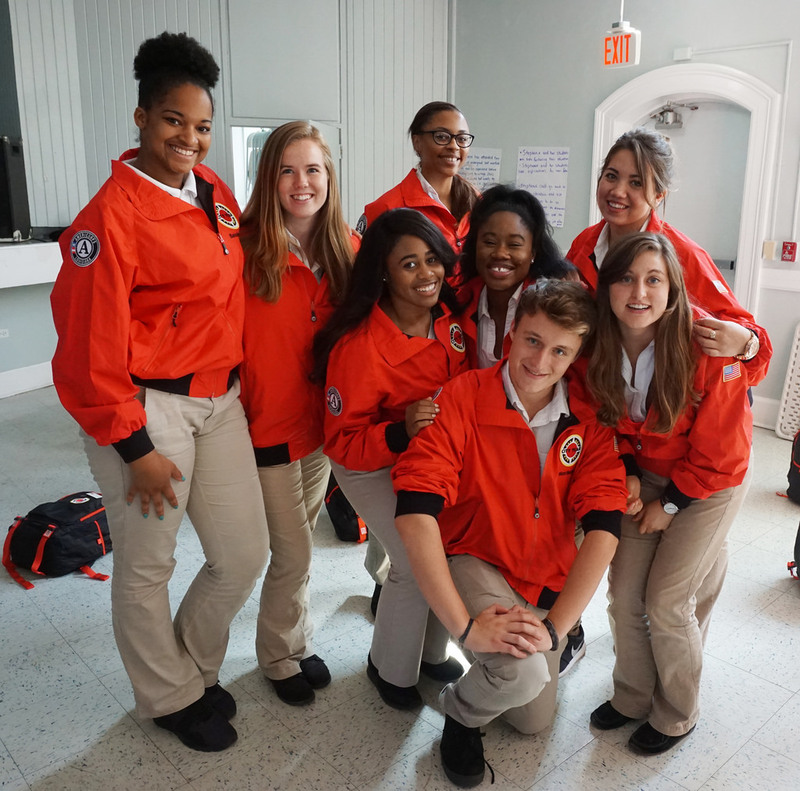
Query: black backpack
x=349, y=526
x=58, y=538
x=793, y=476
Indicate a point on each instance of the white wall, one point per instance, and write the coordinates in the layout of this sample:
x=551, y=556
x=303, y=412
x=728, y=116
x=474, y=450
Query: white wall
x=529, y=73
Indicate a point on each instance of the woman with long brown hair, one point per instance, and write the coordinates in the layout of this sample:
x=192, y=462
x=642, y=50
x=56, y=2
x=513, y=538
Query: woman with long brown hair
x=684, y=427
x=298, y=255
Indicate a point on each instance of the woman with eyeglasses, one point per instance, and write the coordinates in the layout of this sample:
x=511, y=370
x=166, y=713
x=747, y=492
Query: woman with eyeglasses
x=441, y=139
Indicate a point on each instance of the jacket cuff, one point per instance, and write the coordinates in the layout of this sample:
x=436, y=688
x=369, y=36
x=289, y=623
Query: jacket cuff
x=610, y=521
x=135, y=446
x=419, y=503
x=675, y=495
x=631, y=467
x=397, y=438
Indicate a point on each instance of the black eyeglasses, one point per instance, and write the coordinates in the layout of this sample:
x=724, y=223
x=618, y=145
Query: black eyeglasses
x=442, y=138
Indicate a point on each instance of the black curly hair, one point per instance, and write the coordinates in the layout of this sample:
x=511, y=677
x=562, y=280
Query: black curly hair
x=169, y=60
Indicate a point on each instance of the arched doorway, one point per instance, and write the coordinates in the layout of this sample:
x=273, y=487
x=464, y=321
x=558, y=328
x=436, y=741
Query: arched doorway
x=695, y=82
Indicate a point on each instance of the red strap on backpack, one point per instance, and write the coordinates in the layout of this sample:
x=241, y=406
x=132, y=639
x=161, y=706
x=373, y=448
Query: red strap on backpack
x=95, y=575
x=9, y=566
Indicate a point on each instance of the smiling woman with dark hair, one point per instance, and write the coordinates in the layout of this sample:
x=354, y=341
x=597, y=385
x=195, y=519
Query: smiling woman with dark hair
x=149, y=308
x=383, y=356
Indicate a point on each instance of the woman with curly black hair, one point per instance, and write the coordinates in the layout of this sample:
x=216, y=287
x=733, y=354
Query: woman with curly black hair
x=149, y=307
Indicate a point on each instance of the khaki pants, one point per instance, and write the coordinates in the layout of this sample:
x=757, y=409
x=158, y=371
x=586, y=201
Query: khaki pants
x=169, y=664
x=406, y=631
x=523, y=691
x=293, y=496
x=661, y=589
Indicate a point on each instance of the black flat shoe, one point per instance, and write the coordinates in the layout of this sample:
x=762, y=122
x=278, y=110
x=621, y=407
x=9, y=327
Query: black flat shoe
x=646, y=740
x=606, y=717
x=376, y=597
x=315, y=671
x=397, y=697
x=295, y=690
x=199, y=727
x=449, y=670
x=220, y=700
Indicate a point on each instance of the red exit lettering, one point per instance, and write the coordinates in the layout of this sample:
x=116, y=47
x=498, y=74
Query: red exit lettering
x=617, y=50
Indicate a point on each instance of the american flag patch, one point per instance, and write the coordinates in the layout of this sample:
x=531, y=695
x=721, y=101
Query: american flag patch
x=732, y=371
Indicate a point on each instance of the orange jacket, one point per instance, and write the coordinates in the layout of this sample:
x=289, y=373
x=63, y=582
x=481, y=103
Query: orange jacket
x=709, y=448
x=408, y=194
x=150, y=288
x=284, y=409
x=374, y=373
x=476, y=468
x=705, y=284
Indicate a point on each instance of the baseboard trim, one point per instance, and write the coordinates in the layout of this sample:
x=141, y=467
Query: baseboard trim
x=765, y=412
x=21, y=380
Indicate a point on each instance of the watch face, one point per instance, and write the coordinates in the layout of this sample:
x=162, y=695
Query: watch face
x=670, y=508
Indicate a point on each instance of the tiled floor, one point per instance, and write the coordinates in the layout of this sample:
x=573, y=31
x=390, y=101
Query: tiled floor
x=66, y=719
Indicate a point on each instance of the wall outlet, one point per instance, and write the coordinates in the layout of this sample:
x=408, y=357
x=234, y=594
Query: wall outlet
x=769, y=251
x=4, y=333
x=789, y=252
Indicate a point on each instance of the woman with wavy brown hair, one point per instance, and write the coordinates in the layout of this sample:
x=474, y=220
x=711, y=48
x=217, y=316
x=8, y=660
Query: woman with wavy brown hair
x=298, y=256
x=684, y=428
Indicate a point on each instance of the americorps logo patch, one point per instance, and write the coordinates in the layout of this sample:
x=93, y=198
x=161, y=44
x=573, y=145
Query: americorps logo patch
x=570, y=450
x=84, y=248
x=334, y=401
x=456, y=337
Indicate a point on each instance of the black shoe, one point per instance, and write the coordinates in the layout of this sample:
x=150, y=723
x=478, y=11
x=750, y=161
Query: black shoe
x=220, y=700
x=199, y=727
x=295, y=690
x=574, y=650
x=462, y=754
x=606, y=717
x=394, y=696
x=449, y=670
x=646, y=740
x=315, y=671
x=376, y=595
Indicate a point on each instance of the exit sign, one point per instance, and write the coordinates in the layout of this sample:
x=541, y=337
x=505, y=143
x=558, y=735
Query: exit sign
x=622, y=46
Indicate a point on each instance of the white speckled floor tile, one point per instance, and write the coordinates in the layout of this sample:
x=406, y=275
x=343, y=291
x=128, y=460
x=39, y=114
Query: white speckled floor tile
x=98, y=649
x=39, y=673
x=11, y=778
x=22, y=619
x=423, y=770
x=782, y=731
x=525, y=759
x=282, y=763
x=766, y=567
x=363, y=737
x=122, y=745
x=583, y=689
x=65, y=723
x=602, y=767
x=773, y=771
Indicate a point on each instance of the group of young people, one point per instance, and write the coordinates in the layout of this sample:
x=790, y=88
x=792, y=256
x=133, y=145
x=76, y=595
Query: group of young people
x=508, y=423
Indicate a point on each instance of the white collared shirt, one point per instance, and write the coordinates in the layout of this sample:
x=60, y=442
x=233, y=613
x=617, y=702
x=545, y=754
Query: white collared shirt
x=636, y=387
x=294, y=246
x=187, y=193
x=603, y=243
x=486, y=328
x=428, y=189
x=544, y=423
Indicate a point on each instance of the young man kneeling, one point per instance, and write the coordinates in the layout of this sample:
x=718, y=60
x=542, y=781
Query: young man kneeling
x=487, y=501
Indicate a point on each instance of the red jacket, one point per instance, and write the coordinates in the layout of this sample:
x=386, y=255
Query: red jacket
x=709, y=448
x=408, y=194
x=705, y=284
x=479, y=460
x=149, y=288
x=284, y=409
x=469, y=295
x=374, y=373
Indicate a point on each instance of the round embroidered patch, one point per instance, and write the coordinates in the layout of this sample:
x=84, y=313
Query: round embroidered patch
x=570, y=450
x=226, y=216
x=79, y=500
x=457, y=337
x=334, y=401
x=84, y=248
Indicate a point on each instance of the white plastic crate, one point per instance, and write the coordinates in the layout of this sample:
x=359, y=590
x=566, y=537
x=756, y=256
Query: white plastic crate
x=789, y=414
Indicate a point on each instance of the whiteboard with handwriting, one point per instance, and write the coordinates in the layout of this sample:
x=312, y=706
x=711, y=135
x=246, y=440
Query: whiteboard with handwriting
x=482, y=167
x=542, y=171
